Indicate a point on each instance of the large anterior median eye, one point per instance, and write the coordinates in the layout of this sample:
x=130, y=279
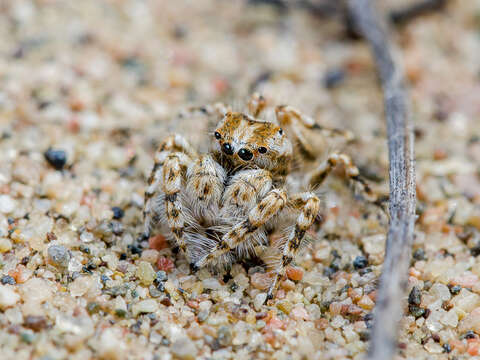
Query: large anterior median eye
x=245, y=154
x=217, y=135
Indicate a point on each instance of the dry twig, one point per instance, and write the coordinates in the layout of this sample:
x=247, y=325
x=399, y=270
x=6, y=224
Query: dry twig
x=389, y=308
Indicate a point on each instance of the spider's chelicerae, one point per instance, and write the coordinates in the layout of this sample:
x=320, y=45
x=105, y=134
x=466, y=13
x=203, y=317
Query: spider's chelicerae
x=222, y=205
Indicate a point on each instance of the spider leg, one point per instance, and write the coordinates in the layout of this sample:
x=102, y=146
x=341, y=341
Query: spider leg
x=306, y=133
x=319, y=175
x=309, y=205
x=205, y=183
x=272, y=203
x=256, y=104
x=171, y=158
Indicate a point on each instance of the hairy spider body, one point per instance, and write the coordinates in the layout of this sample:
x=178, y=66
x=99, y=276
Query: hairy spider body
x=221, y=206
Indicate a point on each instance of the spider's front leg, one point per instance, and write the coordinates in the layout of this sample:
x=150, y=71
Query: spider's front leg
x=304, y=132
x=318, y=175
x=165, y=182
x=272, y=203
x=303, y=128
x=309, y=205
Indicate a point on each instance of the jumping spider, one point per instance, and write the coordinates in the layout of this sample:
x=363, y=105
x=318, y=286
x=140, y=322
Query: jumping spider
x=222, y=205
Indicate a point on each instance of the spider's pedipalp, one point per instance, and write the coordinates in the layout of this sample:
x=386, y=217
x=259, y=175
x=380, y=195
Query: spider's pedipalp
x=269, y=206
x=256, y=104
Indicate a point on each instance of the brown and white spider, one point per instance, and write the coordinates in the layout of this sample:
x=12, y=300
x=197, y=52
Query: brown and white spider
x=220, y=206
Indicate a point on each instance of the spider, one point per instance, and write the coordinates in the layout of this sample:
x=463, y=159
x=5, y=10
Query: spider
x=221, y=206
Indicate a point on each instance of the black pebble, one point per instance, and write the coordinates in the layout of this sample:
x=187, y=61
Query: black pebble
x=7, y=279
x=117, y=213
x=446, y=348
x=454, y=290
x=475, y=251
x=417, y=311
x=469, y=335
x=328, y=271
x=360, y=262
x=419, y=254
x=415, y=296
x=55, y=157
x=333, y=78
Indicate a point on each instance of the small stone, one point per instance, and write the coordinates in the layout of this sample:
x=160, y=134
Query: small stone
x=27, y=337
x=285, y=306
x=144, y=307
x=93, y=308
x=184, y=349
x=154, y=292
x=57, y=158
x=455, y=290
x=111, y=345
x=333, y=78
x=466, y=300
x=260, y=281
x=433, y=347
x=360, y=262
x=145, y=273
x=5, y=245
x=36, y=290
x=117, y=228
x=202, y=315
x=165, y=264
x=415, y=296
x=161, y=276
x=259, y=301
x=224, y=336
x=419, y=254
x=416, y=311
x=8, y=296
x=58, y=255
x=36, y=323
x=450, y=318
x=7, y=279
x=299, y=313
x=366, y=303
x=118, y=213
x=157, y=242
x=211, y=283
x=433, y=321
x=374, y=244
x=440, y=291
x=294, y=273
x=7, y=204
x=260, y=324
x=120, y=307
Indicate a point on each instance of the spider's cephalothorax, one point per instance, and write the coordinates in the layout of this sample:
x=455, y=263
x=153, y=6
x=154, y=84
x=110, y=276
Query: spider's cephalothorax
x=245, y=143
x=220, y=206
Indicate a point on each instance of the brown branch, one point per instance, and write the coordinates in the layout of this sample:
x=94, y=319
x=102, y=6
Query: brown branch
x=391, y=294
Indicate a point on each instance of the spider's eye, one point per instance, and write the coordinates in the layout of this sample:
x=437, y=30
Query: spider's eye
x=262, y=150
x=245, y=154
x=217, y=135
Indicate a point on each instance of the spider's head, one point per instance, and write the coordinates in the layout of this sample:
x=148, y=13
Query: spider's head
x=246, y=142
